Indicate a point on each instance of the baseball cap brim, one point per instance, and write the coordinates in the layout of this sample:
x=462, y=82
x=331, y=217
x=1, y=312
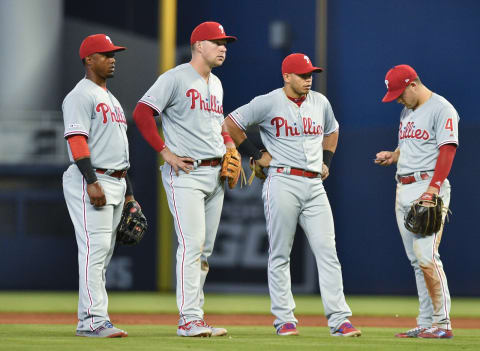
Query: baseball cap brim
x=228, y=38
x=393, y=95
x=114, y=48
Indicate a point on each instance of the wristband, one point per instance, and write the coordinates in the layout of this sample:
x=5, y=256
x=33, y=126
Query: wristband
x=129, y=190
x=85, y=167
x=246, y=147
x=327, y=157
x=226, y=137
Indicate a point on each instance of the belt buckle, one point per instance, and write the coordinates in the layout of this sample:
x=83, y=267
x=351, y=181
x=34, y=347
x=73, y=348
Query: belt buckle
x=109, y=172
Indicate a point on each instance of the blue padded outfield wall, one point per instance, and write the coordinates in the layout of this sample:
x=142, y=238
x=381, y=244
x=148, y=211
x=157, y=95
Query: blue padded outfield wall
x=365, y=39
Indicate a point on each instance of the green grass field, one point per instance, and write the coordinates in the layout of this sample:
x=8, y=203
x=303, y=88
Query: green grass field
x=152, y=337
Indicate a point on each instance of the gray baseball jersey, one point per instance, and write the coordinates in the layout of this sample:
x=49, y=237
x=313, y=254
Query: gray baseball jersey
x=94, y=112
x=423, y=131
x=192, y=114
x=196, y=134
x=292, y=135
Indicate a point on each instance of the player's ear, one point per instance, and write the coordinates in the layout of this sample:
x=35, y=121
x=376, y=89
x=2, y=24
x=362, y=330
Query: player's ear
x=286, y=77
x=88, y=60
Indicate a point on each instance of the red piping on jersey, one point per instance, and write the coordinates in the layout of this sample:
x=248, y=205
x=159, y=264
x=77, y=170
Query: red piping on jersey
x=78, y=146
x=443, y=165
x=440, y=277
x=87, y=237
x=180, y=231
x=235, y=121
x=143, y=115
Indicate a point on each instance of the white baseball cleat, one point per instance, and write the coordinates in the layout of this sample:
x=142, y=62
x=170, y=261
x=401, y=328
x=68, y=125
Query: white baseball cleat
x=107, y=330
x=194, y=328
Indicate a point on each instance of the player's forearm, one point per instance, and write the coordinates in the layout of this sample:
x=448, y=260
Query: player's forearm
x=396, y=155
x=235, y=132
x=330, y=142
x=145, y=121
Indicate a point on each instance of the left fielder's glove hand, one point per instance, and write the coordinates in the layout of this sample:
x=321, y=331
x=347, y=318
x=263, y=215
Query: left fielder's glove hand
x=133, y=224
x=232, y=167
x=425, y=215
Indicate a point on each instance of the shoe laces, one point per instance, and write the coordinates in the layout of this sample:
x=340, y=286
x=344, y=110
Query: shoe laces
x=431, y=330
x=200, y=323
x=416, y=329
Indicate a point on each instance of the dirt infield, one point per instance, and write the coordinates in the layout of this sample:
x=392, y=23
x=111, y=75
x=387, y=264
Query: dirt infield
x=221, y=319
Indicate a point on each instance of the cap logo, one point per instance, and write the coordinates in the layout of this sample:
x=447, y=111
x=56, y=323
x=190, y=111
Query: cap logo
x=386, y=83
x=407, y=80
x=306, y=58
x=108, y=38
x=221, y=29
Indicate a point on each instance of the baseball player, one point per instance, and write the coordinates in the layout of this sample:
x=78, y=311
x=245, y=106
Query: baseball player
x=189, y=100
x=300, y=132
x=427, y=142
x=96, y=184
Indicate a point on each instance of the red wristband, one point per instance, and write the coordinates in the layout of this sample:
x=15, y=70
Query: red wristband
x=226, y=137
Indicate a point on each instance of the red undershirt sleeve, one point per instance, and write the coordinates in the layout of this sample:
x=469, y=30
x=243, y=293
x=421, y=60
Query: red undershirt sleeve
x=143, y=115
x=78, y=146
x=443, y=165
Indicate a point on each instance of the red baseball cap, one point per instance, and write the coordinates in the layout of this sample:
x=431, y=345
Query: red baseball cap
x=396, y=80
x=210, y=31
x=298, y=64
x=97, y=43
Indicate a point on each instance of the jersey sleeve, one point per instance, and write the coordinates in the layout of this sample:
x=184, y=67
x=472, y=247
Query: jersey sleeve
x=331, y=124
x=446, y=126
x=246, y=115
x=77, y=114
x=161, y=93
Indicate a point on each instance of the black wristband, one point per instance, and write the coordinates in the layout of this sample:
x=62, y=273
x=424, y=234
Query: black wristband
x=246, y=147
x=85, y=167
x=129, y=190
x=327, y=157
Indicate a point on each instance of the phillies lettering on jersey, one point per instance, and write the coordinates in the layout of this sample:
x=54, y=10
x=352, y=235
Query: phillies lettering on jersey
x=191, y=110
x=204, y=105
x=94, y=112
x=409, y=131
x=309, y=127
x=300, y=129
x=114, y=117
x=423, y=131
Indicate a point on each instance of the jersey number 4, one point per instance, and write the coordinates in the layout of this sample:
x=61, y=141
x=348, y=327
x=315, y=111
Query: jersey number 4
x=449, y=124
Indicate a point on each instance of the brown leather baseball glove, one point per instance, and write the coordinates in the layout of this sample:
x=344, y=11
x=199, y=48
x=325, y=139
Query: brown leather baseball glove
x=232, y=167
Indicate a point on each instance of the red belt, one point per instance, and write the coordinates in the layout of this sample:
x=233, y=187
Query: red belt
x=299, y=172
x=411, y=178
x=210, y=162
x=112, y=173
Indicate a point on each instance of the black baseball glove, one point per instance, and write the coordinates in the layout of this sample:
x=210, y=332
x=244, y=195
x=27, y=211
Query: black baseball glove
x=133, y=224
x=425, y=215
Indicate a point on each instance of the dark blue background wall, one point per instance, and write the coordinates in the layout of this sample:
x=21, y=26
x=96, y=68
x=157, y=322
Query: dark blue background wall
x=365, y=38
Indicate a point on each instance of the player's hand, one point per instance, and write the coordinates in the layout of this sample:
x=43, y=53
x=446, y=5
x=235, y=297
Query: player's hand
x=385, y=158
x=177, y=163
x=325, y=171
x=265, y=160
x=96, y=194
